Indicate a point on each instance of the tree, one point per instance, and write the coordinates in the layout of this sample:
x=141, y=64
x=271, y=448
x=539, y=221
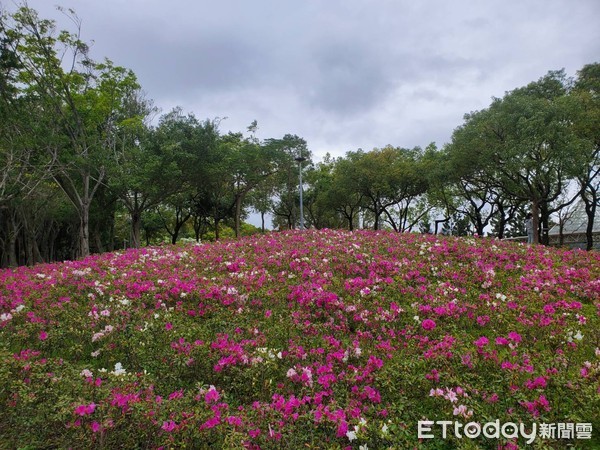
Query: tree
x=375, y=179
x=586, y=96
x=342, y=195
x=410, y=186
x=79, y=96
x=319, y=185
x=144, y=173
x=287, y=178
x=389, y=180
x=523, y=145
x=248, y=164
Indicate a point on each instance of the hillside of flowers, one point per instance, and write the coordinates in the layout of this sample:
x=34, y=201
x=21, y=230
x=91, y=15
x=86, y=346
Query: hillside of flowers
x=315, y=340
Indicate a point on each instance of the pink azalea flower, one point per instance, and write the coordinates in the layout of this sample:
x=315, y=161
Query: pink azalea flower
x=235, y=421
x=212, y=395
x=482, y=342
x=84, y=410
x=169, y=426
x=482, y=320
x=514, y=336
x=342, y=429
x=428, y=324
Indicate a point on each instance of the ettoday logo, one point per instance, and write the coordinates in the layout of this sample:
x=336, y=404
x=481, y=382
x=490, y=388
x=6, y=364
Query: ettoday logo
x=508, y=430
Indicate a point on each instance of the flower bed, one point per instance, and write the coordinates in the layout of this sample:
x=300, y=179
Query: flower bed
x=324, y=339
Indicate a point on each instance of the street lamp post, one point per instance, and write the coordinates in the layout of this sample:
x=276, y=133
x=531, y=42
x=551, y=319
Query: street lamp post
x=300, y=160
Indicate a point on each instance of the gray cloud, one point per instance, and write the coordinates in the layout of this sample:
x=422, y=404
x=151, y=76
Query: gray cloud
x=341, y=73
x=348, y=78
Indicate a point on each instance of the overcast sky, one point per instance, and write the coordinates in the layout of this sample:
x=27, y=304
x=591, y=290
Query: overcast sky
x=342, y=74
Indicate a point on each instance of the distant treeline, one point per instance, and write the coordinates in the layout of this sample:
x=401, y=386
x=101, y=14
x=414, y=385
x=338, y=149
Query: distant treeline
x=82, y=168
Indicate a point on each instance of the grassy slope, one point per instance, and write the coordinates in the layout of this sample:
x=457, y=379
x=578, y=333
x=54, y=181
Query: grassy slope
x=291, y=340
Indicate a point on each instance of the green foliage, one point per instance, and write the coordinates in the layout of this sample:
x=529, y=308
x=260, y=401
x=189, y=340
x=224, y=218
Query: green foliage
x=123, y=348
x=81, y=128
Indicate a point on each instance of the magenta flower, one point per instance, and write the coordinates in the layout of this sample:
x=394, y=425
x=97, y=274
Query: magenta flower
x=84, y=410
x=482, y=320
x=169, y=426
x=342, y=429
x=514, y=336
x=43, y=336
x=428, y=324
x=235, y=421
x=482, y=342
x=492, y=398
x=212, y=395
x=539, y=382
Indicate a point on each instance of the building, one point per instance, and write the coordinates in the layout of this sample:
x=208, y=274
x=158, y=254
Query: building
x=573, y=229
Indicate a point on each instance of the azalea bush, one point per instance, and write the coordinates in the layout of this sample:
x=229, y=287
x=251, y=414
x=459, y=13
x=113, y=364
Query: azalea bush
x=319, y=339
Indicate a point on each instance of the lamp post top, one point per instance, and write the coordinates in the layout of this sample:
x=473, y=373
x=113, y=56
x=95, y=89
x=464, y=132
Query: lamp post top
x=300, y=159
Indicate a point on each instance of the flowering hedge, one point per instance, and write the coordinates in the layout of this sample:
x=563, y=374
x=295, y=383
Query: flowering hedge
x=323, y=339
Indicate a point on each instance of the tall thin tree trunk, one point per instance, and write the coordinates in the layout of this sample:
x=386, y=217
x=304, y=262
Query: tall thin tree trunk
x=535, y=212
x=590, y=210
x=136, y=227
x=84, y=233
x=216, y=229
x=11, y=241
x=238, y=213
x=136, y=222
x=545, y=220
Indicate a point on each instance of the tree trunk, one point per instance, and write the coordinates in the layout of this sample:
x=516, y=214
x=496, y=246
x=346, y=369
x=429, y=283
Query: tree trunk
x=262, y=221
x=437, y=224
x=36, y=252
x=238, y=213
x=136, y=227
x=545, y=221
x=590, y=211
x=29, y=247
x=197, y=225
x=501, y=222
x=176, y=233
x=535, y=212
x=392, y=221
x=11, y=240
x=216, y=229
x=84, y=230
x=98, y=240
x=111, y=234
x=479, y=226
x=136, y=222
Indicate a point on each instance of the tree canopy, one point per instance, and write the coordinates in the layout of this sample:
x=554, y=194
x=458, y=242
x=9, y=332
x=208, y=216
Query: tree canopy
x=86, y=166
